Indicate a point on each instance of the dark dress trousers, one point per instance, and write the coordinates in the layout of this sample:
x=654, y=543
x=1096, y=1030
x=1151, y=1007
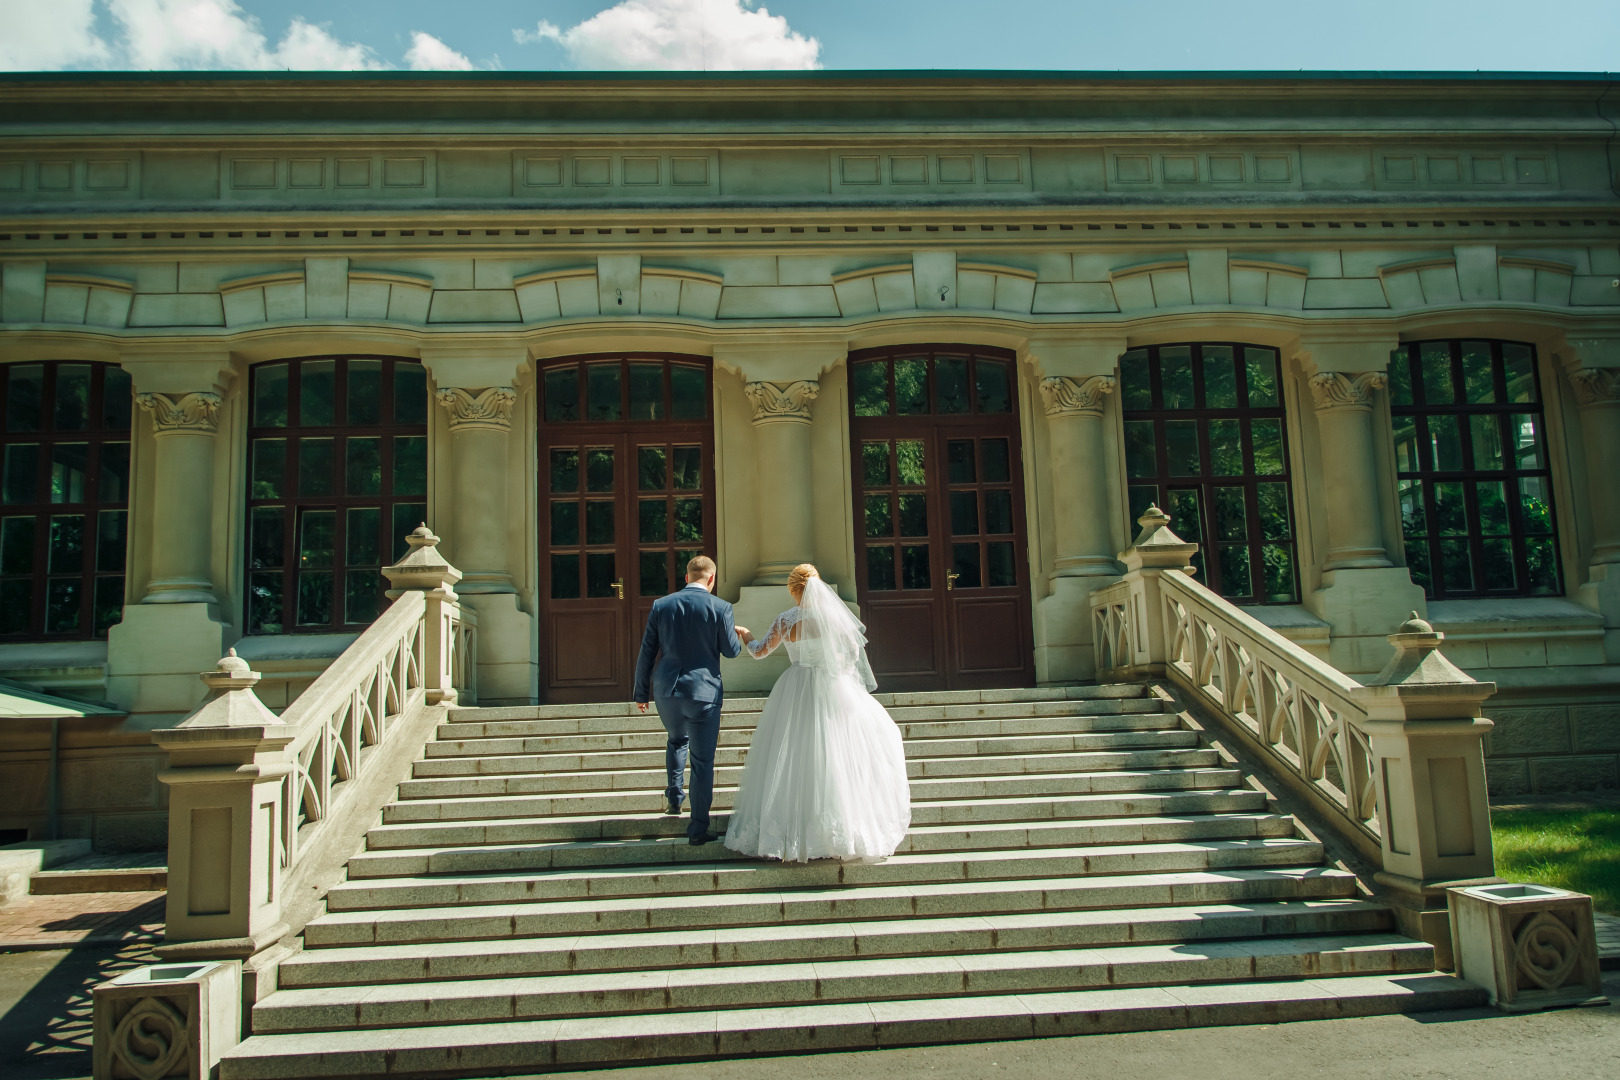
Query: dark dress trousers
x=679, y=670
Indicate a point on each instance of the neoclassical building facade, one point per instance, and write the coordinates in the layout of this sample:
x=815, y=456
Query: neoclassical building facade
x=945, y=336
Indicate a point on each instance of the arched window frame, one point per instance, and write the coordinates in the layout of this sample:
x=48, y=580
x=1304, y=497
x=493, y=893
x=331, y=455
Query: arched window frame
x=1269, y=550
x=291, y=569
x=65, y=440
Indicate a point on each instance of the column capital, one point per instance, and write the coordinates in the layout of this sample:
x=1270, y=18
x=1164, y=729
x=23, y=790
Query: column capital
x=196, y=413
x=1076, y=397
x=489, y=409
x=781, y=360
x=1074, y=356
x=1346, y=389
x=1596, y=386
x=474, y=365
x=1349, y=351
x=782, y=402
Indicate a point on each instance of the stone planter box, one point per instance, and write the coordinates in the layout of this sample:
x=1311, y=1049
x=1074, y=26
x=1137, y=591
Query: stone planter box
x=1530, y=946
x=167, y=1020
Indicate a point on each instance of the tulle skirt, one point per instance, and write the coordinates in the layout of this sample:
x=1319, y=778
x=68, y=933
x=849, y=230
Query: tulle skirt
x=825, y=775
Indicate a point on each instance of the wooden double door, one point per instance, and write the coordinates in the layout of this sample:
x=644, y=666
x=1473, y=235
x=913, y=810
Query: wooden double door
x=626, y=498
x=939, y=518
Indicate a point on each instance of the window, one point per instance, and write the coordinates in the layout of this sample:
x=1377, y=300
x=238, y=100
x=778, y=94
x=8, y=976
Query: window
x=337, y=475
x=1204, y=440
x=1471, y=461
x=64, y=498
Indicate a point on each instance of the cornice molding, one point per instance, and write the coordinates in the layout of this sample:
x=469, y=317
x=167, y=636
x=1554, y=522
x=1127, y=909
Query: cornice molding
x=1076, y=397
x=1596, y=386
x=196, y=413
x=782, y=402
x=489, y=409
x=1346, y=390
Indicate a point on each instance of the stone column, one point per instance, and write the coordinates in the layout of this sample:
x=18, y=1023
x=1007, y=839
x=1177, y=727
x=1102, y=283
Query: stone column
x=479, y=423
x=184, y=426
x=1074, y=417
x=1344, y=401
x=782, y=426
x=1363, y=595
x=1596, y=378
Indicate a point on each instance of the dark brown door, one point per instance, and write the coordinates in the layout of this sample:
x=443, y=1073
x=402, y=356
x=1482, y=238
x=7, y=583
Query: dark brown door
x=626, y=498
x=939, y=518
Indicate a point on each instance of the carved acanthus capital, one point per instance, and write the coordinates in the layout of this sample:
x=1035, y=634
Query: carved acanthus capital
x=1076, y=397
x=182, y=414
x=1596, y=386
x=1346, y=390
x=489, y=409
x=782, y=402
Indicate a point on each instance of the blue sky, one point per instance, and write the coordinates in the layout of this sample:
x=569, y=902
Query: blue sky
x=1566, y=35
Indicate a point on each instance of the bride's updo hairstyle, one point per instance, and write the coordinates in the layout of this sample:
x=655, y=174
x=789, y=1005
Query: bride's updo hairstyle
x=801, y=574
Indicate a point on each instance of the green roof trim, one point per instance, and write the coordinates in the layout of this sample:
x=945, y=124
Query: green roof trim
x=18, y=702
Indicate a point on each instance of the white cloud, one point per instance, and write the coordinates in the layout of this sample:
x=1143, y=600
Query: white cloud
x=428, y=53
x=41, y=35
x=218, y=34
x=681, y=35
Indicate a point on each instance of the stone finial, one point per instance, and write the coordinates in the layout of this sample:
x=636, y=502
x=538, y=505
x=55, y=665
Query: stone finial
x=1418, y=660
x=489, y=409
x=1157, y=547
x=1596, y=386
x=422, y=567
x=1155, y=529
x=1346, y=390
x=1076, y=397
x=231, y=673
x=782, y=402
x=182, y=414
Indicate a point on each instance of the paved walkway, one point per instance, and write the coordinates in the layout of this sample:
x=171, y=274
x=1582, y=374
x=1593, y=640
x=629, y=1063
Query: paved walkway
x=80, y=920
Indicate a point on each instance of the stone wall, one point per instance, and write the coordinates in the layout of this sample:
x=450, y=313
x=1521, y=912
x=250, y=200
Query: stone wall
x=1544, y=747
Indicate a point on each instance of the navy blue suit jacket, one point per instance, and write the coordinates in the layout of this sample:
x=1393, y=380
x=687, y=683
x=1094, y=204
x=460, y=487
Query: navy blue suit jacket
x=688, y=632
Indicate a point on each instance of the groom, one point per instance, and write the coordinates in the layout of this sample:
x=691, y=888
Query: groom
x=687, y=634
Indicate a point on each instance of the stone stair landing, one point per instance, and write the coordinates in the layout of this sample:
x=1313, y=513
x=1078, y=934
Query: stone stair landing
x=1078, y=863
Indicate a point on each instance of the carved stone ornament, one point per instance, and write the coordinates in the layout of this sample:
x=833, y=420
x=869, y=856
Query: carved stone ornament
x=776, y=402
x=1338, y=390
x=1076, y=397
x=490, y=408
x=1544, y=951
x=182, y=414
x=151, y=1041
x=1596, y=386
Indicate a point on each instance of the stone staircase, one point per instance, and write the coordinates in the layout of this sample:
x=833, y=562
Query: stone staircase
x=1077, y=864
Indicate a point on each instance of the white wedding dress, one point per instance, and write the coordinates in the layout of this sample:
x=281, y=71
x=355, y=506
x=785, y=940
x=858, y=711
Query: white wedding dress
x=826, y=773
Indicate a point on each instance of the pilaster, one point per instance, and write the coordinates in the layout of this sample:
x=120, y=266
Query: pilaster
x=781, y=419
x=1594, y=372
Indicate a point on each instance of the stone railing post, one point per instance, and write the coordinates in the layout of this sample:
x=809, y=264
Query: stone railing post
x=1156, y=550
x=423, y=569
x=1426, y=737
x=782, y=421
x=225, y=770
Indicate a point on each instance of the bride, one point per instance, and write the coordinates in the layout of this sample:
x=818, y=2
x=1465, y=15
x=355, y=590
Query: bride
x=826, y=772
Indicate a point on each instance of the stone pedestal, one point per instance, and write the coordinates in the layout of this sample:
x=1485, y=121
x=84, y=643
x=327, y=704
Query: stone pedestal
x=782, y=426
x=1425, y=737
x=152, y=655
x=1530, y=946
x=166, y=1020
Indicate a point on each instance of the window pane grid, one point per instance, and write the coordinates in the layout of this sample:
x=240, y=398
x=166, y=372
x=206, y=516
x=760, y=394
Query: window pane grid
x=337, y=467
x=1474, y=486
x=64, y=491
x=1205, y=440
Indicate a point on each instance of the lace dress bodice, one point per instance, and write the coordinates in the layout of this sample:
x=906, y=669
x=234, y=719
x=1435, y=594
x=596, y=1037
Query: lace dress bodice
x=781, y=633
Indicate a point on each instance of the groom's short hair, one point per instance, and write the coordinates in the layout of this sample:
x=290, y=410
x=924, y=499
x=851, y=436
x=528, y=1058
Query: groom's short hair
x=700, y=566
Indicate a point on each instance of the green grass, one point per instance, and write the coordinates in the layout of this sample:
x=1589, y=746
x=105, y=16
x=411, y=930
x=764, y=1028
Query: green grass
x=1569, y=849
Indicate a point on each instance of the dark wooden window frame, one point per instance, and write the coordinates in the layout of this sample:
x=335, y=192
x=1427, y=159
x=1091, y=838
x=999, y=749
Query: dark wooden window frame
x=26, y=563
x=398, y=512
x=1209, y=560
x=1425, y=537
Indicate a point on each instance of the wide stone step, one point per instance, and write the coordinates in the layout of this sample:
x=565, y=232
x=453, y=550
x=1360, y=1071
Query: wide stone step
x=951, y=756
x=691, y=988
x=546, y=1045
x=1140, y=715
x=582, y=913
x=795, y=942
x=636, y=803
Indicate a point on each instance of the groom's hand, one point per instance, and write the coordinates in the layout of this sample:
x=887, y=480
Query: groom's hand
x=744, y=633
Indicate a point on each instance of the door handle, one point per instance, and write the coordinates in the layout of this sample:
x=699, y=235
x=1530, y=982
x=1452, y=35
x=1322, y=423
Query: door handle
x=950, y=580
x=618, y=588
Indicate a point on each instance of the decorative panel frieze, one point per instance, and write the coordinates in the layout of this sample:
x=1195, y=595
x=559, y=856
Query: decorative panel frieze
x=1133, y=169
x=943, y=173
x=587, y=173
x=1453, y=170
x=70, y=176
x=350, y=177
